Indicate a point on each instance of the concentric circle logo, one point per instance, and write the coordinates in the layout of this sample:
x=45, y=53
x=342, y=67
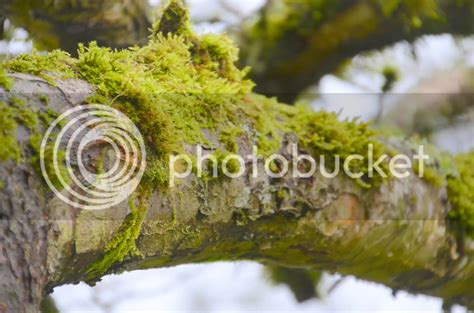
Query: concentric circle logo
x=95, y=155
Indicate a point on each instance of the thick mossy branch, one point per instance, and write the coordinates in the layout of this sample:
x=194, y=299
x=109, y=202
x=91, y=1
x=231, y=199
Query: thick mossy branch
x=180, y=84
x=184, y=90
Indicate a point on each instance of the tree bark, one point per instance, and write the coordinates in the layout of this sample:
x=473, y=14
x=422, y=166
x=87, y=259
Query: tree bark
x=394, y=234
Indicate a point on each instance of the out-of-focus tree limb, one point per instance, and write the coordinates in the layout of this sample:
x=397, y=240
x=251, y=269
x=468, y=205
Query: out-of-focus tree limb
x=63, y=24
x=437, y=103
x=302, y=283
x=294, y=43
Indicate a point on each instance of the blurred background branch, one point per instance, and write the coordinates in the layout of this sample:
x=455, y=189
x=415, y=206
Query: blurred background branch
x=63, y=24
x=294, y=43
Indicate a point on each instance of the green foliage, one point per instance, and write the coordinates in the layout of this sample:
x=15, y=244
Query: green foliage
x=461, y=193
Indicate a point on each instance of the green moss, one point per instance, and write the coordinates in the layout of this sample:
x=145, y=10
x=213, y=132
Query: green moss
x=35, y=143
x=263, y=113
x=23, y=113
x=44, y=99
x=158, y=87
x=122, y=245
x=412, y=12
x=233, y=166
x=438, y=167
x=319, y=133
x=48, y=305
x=5, y=81
x=47, y=116
x=174, y=20
x=218, y=54
x=461, y=195
x=228, y=136
x=297, y=17
x=180, y=84
x=43, y=65
x=9, y=149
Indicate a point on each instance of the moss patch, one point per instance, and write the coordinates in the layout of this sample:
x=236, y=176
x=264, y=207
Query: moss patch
x=5, y=81
x=319, y=133
x=9, y=149
x=23, y=113
x=43, y=65
x=122, y=245
x=35, y=144
x=461, y=193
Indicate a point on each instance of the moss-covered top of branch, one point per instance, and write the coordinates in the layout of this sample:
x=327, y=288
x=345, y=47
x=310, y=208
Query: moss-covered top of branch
x=180, y=84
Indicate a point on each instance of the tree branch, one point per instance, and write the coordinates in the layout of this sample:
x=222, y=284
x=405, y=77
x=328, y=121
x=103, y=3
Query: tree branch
x=394, y=234
x=64, y=24
x=293, y=44
x=437, y=103
x=184, y=92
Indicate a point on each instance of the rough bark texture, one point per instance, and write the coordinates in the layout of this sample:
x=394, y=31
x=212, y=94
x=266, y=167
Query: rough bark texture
x=295, y=43
x=25, y=224
x=394, y=234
